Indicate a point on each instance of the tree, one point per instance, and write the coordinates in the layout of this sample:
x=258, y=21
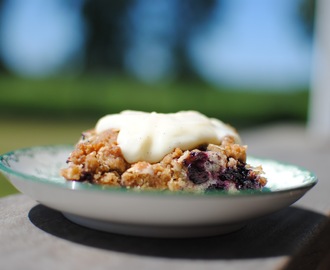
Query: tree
x=106, y=42
x=192, y=14
x=307, y=16
x=105, y=45
x=3, y=68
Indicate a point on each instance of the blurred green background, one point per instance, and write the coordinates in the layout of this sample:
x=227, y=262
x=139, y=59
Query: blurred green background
x=64, y=64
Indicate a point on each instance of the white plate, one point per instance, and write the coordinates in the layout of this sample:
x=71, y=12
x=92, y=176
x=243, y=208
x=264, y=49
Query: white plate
x=35, y=172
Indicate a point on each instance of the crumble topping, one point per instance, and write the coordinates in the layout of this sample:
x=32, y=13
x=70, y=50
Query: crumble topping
x=98, y=159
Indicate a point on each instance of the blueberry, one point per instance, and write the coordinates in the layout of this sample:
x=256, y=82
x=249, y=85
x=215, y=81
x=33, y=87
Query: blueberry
x=195, y=164
x=86, y=176
x=240, y=177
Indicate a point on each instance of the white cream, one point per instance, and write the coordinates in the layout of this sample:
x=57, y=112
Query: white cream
x=150, y=136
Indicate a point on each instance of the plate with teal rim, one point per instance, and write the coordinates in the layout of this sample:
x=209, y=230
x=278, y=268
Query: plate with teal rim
x=35, y=172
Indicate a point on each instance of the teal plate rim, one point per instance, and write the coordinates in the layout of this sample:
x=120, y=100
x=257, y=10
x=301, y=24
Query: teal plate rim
x=83, y=186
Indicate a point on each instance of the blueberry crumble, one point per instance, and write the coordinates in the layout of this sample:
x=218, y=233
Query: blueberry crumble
x=198, y=155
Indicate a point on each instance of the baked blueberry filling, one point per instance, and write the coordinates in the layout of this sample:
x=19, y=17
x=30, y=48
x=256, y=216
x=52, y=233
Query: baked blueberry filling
x=238, y=177
x=196, y=170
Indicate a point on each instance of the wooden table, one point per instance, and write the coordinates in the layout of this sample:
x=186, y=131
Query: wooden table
x=33, y=236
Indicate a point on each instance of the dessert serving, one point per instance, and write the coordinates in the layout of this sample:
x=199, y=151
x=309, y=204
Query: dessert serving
x=183, y=151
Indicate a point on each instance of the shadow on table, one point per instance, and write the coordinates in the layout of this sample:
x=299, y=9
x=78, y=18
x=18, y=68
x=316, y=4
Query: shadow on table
x=282, y=233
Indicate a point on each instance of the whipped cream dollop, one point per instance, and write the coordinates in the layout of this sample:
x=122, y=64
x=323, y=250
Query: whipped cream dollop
x=151, y=136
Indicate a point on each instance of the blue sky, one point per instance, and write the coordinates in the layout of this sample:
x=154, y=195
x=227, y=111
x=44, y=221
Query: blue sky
x=254, y=43
x=257, y=43
x=39, y=37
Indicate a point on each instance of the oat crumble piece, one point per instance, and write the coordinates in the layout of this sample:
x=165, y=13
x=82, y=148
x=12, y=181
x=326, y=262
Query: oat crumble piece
x=98, y=159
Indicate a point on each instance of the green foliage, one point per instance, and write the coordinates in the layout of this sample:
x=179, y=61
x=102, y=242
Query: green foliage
x=92, y=97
